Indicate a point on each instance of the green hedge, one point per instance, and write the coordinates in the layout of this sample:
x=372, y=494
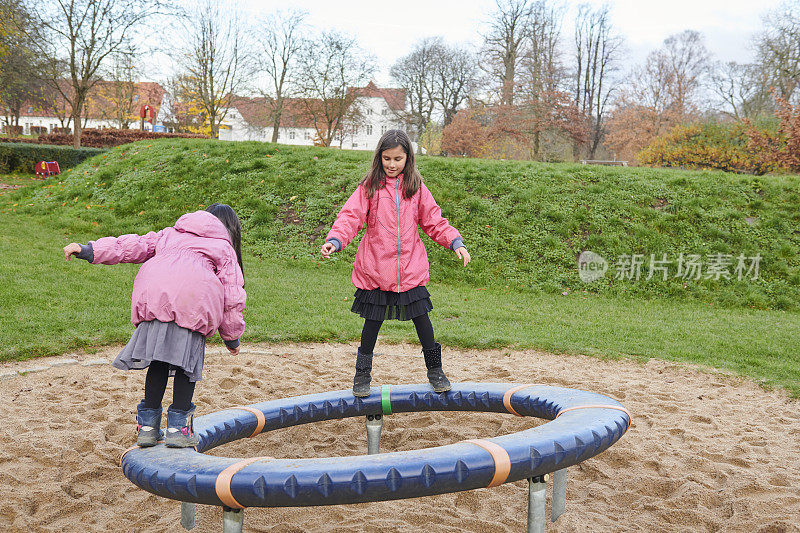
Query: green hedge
x=22, y=157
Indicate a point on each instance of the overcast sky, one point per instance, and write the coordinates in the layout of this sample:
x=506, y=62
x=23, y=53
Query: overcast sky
x=389, y=30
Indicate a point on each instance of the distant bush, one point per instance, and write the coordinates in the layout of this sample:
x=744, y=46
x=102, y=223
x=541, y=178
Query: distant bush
x=109, y=138
x=706, y=145
x=782, y=146
x=105, y=138
x=22, y=156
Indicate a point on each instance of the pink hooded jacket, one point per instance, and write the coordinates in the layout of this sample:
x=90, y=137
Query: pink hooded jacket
x=391, y=255
x=190, y=275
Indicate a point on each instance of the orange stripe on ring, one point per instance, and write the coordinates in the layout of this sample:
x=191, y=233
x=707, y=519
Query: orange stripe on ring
x=617, y=407
x=509, y=393
x=222, y=485
x=259, y=417
x=122, y=456
x=502, y=462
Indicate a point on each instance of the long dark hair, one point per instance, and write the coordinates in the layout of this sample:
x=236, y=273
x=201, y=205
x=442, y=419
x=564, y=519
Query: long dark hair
x=227, y=215
x=376, y=177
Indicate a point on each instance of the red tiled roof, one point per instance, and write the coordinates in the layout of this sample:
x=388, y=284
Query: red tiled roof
x=396, y=98
x=295, y=114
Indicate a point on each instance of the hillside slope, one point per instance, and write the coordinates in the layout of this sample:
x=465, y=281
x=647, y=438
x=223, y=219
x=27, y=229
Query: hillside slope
x=525, y=224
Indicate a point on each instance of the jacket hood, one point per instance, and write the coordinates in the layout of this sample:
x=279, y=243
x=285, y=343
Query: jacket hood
x=204, y=224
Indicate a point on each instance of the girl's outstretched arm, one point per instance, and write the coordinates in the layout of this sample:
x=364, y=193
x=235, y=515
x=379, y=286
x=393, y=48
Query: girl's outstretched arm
x=348, y=223
x=129, y=248
x=434, y=224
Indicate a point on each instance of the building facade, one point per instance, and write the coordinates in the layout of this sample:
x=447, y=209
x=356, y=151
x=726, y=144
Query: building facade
x=378, y=110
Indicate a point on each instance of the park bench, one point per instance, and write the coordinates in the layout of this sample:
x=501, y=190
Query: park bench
x=601, y=162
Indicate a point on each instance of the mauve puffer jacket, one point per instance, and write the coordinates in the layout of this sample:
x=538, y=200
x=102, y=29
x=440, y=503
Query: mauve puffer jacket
x=190, y=275
x=391, y=255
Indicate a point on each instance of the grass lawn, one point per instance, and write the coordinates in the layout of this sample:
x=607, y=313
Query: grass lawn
x=51, y=306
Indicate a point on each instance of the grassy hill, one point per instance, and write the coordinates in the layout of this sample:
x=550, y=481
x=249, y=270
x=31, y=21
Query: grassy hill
x=524, y=223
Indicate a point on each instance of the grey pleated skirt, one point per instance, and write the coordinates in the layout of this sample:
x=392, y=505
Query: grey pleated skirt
x=167, y=342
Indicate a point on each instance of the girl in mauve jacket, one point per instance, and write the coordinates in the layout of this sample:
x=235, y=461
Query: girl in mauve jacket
x=190, y=285
x=391, y=266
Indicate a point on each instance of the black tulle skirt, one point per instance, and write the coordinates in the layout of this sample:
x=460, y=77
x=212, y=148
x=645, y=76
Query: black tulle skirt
x=385, y=305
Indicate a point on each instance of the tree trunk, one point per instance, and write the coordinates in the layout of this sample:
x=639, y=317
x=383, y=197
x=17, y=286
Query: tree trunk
x=76, y=137
x=275, y=127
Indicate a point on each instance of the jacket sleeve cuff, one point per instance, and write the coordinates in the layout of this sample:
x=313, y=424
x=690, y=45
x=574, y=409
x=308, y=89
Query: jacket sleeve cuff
x=457, y=243
x=232, y=344
x=336, y=242
x=86, y=253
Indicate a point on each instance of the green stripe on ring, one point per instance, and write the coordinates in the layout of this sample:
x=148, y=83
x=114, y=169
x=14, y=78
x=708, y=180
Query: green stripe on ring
x=386, y=401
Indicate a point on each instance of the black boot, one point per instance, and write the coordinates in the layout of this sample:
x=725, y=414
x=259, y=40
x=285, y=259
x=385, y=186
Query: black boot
x=363, y=374
x=433, y=361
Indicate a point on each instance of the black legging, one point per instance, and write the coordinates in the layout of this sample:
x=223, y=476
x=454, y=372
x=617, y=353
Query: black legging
x=422, y=323
x=156, y=383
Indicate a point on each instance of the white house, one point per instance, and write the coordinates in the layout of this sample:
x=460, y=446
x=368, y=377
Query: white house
x=381, y=109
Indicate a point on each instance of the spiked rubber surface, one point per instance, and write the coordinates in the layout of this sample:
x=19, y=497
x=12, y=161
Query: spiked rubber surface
x=189, y=475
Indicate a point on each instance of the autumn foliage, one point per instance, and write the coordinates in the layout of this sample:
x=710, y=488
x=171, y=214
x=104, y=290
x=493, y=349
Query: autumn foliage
x=780, y=149
x=706, y=145
x=514, y=131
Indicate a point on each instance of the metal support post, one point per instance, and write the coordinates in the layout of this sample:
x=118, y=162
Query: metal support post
x=537, y=496
x=559, y=504
x=187, y=515
x=232, y=520
x=374, y=425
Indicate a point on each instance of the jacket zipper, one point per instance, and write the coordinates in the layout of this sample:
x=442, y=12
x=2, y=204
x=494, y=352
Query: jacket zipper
x=397, y=206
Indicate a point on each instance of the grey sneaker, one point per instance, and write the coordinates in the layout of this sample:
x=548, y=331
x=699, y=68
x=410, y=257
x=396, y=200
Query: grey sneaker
x=438, y=380
x=148, y=425
x=361, y=383
x=180, y=428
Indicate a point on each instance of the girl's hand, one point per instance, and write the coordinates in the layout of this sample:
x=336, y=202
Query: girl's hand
x=234, y=351
x=462, y=253
x=71, y=249
x=327, y=249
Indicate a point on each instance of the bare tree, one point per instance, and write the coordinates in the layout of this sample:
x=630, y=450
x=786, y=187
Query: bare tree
x=597, y=53
x=81, y=34
x=20, y=80
x=504, y=45
x=778, y=50
x=689, y=62
x=741, y=89
x=211, y=59
x=456, y=78
x=120, y=88
x=280, y=40
x=541, y=69
x=332, y=66
x=416, y=73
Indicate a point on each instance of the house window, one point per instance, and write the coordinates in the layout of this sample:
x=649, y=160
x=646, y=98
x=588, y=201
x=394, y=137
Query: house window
x=30, y=109
x=355, y=145
x=384, y=111
x=279, y=134
x=307, y=136
x=291, y=135
x=383, y=129
x=355, y=130
x=369, y=129
x=369, y=111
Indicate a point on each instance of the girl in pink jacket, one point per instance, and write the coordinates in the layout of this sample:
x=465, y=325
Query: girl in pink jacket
x=391, y=267
x=190, y=285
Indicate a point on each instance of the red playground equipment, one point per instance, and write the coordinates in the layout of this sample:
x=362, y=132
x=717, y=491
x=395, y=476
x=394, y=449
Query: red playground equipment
x=47, y=168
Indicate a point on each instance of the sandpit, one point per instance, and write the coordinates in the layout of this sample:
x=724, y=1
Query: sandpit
x=706, y=451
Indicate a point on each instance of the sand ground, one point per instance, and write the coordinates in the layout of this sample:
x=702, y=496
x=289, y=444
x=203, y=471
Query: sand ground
x=706, y=451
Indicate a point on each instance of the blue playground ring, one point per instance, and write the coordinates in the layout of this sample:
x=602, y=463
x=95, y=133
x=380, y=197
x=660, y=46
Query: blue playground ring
x=586, y=425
